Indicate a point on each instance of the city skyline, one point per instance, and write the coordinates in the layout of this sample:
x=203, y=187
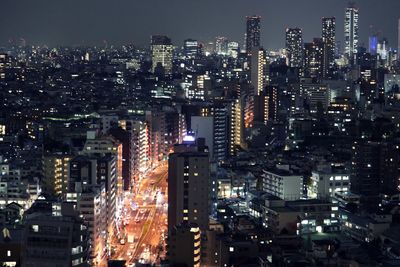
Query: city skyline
x=197, y=133
x=94, y=23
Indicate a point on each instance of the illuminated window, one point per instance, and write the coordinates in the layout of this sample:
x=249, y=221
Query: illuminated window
x=35, y=228
x=8, y=253
x=231, y=249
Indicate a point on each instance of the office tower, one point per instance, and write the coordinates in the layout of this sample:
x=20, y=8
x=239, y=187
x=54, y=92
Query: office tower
x=221, y=45
x=316, y=95
x=253, y=29
x=314, y=59
x=161, y=53
x=351, y=32
x=233, y=49
x=196, y=87
x=294, y=47
x=54, y=235
x=184, y=245
x=209, y=48
x=191, y=48
x=382, y=49
x=189, y=184
x=55, y=174
x=258, y=70
x=329, y=39
x=373, y=45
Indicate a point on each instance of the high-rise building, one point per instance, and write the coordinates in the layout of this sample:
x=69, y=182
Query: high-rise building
x=55, y=174
x=351, y=34
x=188, y=184
x=294, y=47
x=258, y=70
x=314, y=59
x=126, y=169
x=140, y=151
x=92, y=206
x=184, y=245
x=375, y=168
x=161, y=53
x=221, y=45
x=266, y=105
x=236, y=126
x=191, y=48
x=233, y=49
x=93, y=170
x=253, y=29
x=329, y=39
x=373, y=45
x=196, y=86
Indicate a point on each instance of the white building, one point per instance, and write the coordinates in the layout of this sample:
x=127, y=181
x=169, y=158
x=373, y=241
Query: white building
x=283, y=184
x=325, y=184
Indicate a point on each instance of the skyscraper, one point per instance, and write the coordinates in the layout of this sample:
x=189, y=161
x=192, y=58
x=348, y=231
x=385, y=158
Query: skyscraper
x=314, y=58
x=294, y=47
x=373, y=44
x=191, y=48
x=161, y=53
x=329, y=39
x=258, y=70
x=266, y=105
x=252, y=32
x=351, y=32
x=221, y=45
x=188, y=184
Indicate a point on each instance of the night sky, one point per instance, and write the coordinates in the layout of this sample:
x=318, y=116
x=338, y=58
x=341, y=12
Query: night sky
x=89, y=22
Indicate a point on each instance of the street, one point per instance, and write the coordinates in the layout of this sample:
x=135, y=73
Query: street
x=144, y=220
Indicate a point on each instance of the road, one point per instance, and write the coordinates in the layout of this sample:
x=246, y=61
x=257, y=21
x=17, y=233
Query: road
x=145, y=218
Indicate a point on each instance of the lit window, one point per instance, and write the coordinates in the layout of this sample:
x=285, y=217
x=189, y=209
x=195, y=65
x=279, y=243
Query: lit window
x=231, y=249
x=35, y=228
x=8, y=253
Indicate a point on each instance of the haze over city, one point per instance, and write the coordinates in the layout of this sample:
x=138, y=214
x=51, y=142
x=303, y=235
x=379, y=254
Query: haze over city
x=91, y=22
